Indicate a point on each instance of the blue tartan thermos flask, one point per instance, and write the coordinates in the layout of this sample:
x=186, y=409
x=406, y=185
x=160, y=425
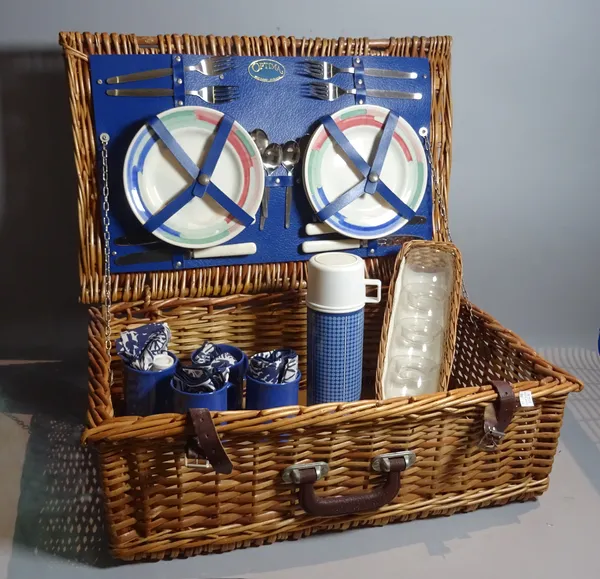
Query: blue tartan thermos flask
x=336, y=297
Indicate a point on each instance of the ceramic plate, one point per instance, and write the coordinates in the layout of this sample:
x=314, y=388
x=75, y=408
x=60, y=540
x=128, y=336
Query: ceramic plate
x=327, y=174
x=153, y=177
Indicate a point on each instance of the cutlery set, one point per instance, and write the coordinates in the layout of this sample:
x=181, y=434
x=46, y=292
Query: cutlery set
x=273, y=157
x=219, y=94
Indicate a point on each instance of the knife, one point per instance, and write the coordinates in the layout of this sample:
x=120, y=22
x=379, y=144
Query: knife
x=324, y=229
x=320, y=246
x=158, y=255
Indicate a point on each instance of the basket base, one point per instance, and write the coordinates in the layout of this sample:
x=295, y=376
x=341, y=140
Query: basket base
x=459, y=503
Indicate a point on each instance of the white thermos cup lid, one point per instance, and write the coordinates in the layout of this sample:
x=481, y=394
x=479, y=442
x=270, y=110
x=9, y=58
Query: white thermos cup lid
x=336, y=283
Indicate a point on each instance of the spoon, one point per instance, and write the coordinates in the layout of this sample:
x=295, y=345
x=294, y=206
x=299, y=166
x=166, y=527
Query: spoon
x=291, y=156
x=261, y=140
x=271, y=160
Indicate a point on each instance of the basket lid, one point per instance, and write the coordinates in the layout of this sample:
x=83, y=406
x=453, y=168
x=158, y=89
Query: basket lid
x=225, y=280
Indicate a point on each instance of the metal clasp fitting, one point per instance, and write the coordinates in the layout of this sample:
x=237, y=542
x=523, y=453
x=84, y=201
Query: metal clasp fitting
x=200, y=463
x=381, y=463
x=290, y=474
x=491, y=438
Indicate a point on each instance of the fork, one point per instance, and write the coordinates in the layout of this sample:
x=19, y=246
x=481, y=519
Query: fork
x=327, y=91
x=325, y=71
x=212, y=66
x=213, y=95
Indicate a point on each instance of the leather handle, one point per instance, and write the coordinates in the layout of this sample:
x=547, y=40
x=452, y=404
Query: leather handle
x=350, y=504
x=206, y=444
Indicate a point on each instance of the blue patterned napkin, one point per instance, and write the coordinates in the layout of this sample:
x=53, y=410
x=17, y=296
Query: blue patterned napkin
x=139, y=347
x=274, y=367
x=209, y=354
x=201, y=380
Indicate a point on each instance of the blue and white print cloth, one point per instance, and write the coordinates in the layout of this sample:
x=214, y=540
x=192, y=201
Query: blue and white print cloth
x=209, y=354
x=274, y=367
x=139, y=347
x=201, y=380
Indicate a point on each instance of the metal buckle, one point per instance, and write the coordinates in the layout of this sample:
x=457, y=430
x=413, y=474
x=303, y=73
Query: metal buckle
x=200, y=463
x=491, y=438
x=381, y=463
x=290, y=474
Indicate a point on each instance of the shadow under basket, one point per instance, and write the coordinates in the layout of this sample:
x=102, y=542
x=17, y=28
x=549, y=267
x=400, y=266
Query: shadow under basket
x=160, y=505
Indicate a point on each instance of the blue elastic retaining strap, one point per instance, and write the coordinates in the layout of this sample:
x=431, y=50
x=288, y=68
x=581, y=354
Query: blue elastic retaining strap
x=171, y=207
x=372, y=246
x=178, y=87
x=218, y=143
x=382, y=149
x=196, y=189
x=167, y=138
x=395, y=201
x=341, y=139
x=340, y=202
x=229, y=205
x=284, y=181
x=360, y=97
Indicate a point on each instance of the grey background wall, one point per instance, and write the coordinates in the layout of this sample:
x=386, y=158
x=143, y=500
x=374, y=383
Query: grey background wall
x=525, y=197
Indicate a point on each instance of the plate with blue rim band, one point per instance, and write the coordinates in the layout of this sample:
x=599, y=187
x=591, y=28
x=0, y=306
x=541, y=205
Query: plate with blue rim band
x=328, y=174
x=152, y=178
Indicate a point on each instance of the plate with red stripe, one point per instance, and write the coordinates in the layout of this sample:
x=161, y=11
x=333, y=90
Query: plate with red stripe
x=328, y=173
x=152, y=178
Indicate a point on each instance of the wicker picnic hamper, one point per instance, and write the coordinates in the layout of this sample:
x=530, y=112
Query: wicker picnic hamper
x=158, y=505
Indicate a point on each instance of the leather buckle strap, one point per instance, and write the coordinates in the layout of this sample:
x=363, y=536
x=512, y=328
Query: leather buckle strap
x=206, y=445
x=498, y=415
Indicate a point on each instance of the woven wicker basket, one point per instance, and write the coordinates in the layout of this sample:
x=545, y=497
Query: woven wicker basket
x=157, y=506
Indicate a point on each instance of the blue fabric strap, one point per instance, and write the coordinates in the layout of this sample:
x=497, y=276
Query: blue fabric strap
x=341, y=139
x=229, y=205
x=284, y=181
x=167, y=138
x=223, y=130
x=340, y=202
x=199, y=186
x=382, y=149
x=178, y=80
x=171, y=208
x=359, y=81
x=395, y=201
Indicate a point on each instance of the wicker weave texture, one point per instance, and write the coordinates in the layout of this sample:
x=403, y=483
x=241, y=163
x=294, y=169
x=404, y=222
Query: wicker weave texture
x=157, y=507
x=225, y=280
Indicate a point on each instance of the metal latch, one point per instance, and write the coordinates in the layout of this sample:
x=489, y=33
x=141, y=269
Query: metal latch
x=381, y=463
x=290, y=475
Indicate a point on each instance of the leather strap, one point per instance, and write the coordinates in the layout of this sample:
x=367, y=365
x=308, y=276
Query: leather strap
x=207, y=444
x=349, y=504
x=497, y=416
x=505, y=405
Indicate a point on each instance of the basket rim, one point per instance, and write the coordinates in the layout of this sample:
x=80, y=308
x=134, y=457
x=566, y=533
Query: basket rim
x=555, y=382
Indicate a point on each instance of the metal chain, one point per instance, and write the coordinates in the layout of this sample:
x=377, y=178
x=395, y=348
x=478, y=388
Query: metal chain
x=17, y=420
x=104, y=138
x=442, y=208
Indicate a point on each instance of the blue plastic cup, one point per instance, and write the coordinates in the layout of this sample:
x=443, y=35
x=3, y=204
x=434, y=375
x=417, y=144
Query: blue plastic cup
x=235, y=394
x=148, y=391
x=261, y=395
x=183, y=401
